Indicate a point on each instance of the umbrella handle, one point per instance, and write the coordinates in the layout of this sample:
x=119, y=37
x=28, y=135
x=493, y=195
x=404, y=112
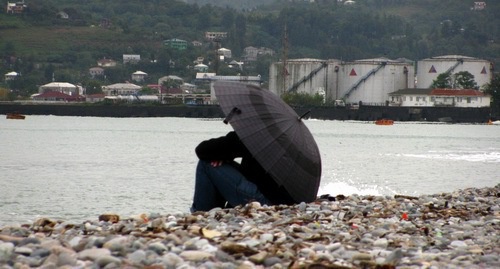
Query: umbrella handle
x=229, y=116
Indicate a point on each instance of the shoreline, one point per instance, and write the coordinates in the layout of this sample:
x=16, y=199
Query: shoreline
x=460, y=229
x=363, y=113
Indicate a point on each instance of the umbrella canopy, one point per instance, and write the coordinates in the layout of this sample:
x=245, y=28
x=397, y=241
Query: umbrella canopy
x=275, y=135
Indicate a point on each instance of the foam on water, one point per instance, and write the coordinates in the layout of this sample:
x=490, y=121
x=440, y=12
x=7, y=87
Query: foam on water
x=470, y=156
x=350, y=188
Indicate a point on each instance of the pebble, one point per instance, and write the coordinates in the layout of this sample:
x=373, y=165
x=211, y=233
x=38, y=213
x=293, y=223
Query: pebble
x=460, y=229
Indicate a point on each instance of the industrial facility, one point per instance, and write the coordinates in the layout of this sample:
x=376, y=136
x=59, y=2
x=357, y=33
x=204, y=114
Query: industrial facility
x=367, y=81
x=428, y=69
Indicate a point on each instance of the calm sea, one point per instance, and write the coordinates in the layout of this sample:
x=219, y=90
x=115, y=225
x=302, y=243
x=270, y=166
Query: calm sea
x=76, y=168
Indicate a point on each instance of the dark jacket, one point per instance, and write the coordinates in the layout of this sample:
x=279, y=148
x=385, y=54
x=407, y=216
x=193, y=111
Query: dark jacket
x=229, y=147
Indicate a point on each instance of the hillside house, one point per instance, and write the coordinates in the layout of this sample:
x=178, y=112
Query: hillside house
x=225, y=53
x=139, y=76
x=11, y=76
x=96, y=72
x=172, y=80
x=16, y=7
x=131, y=58
x=479, y=6
x=176, y=43
x=439, y=97
x=201, y=67
x=250, y=54
x=106, y=63
x=196, y=43
x=212, y=36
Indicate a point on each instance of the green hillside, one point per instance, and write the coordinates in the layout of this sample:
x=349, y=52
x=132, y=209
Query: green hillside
x=63, y=39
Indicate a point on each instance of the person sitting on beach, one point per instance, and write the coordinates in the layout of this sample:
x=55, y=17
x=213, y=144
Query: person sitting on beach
x=223, y=182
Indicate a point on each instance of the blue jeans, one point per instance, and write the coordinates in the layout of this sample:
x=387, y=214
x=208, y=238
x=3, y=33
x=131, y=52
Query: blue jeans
x=217, y=185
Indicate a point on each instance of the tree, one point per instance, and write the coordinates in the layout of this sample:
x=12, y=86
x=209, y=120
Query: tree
x=442, y=81
x=464, y=80
x=93, y=87
x=493, y=89
x=302, y=99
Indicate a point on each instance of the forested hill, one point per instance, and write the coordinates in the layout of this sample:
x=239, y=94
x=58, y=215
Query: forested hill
x=62, y=39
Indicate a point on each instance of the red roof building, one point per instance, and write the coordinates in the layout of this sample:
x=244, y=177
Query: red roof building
x=52, y=96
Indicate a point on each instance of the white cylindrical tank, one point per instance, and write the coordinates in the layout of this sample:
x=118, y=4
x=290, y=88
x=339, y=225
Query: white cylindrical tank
x=371, y=80
x=312, y=76
x=428, y=69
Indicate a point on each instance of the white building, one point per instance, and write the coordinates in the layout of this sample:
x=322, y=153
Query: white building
x=225, y=53
x=62, y=87
x=439, y=97
x=121, y=89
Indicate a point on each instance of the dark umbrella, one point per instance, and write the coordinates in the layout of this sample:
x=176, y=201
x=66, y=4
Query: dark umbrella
x=275, y=135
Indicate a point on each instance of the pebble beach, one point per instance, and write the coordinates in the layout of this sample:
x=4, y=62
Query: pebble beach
x=460, y=229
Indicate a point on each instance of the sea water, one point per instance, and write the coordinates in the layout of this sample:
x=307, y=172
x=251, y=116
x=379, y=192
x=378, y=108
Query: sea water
x=76, y=168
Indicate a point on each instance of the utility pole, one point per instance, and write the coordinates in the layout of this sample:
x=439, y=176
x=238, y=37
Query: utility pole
x=285, y=56
x=217, y=42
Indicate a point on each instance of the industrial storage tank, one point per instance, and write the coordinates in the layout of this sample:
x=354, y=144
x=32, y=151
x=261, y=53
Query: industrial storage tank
x=371, y=80
x=428, y=69
x=307, y=75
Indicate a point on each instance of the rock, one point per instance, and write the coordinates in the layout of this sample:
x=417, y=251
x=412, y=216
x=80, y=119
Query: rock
x=195, y=255
x=93, y=253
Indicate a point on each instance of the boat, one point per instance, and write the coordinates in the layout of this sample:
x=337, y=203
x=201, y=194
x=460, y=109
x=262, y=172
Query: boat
x=15, y=116
x=384, y=122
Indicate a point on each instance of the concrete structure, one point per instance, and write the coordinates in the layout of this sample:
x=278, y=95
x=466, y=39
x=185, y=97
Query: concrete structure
x=439, y=98
x=368, y=81
x=428, y=69
x=121, y=89
x=62, y=87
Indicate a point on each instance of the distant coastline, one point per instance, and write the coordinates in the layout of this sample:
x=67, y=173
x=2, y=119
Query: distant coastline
x=363, y=113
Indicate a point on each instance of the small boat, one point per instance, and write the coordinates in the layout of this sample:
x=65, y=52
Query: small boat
x=15, y=116
x=384, y=122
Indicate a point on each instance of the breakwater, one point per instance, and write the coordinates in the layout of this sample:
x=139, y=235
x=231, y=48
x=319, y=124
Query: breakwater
x=363, y=113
